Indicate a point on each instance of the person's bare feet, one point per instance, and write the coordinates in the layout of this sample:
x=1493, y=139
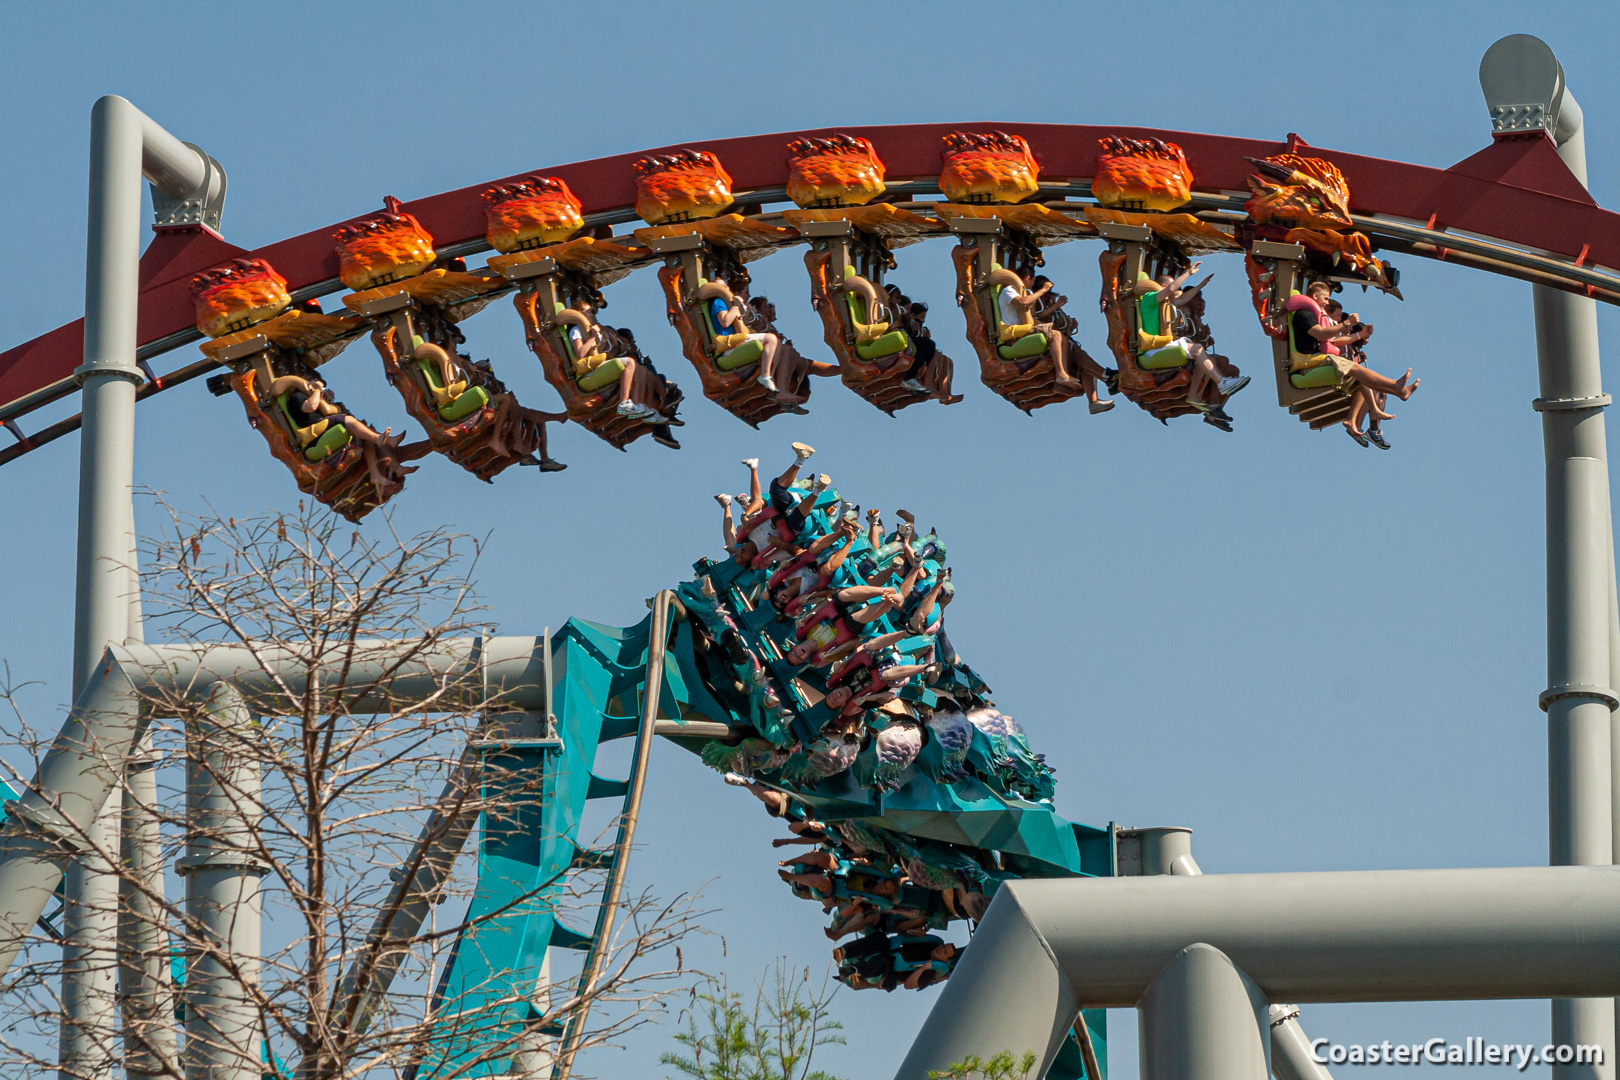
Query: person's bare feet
x=1073, y=386
x=1403, y=389
x=1380, y=414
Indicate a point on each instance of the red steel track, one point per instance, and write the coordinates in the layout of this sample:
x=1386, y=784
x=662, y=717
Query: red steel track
x=1536, y=221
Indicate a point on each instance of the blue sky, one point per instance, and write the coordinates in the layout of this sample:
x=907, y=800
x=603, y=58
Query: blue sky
x=1316, y=656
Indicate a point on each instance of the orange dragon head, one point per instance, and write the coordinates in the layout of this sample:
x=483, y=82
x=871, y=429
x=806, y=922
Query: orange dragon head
x=1141, y=174
x=237, y=295
x=987, y=167
x=1298, y=192
x=1310, y=198
x=842, y=170
x=684, y=186
x=529, y=212
x=385, y=247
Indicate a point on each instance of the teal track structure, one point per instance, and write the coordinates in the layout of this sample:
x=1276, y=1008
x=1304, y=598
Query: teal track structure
x=493, y=991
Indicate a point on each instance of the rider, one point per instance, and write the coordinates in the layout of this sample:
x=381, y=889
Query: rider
x=1016, y=307
x=1372, y=401
x=1315, y=336
x=1050, y=310
x=312, y=413
x=509, y=415
x=731, y=330
x=1168, y=291
x=931, y=371
x=590, y=353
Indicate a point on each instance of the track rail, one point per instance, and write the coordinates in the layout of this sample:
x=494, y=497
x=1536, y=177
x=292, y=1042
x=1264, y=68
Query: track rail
x=1512, y=209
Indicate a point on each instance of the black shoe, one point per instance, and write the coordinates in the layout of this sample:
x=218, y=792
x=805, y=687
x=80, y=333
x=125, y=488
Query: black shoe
x=1111, y=379
x=1376, y=437
x=551, y=465
x=662, y=437
x=528, y=459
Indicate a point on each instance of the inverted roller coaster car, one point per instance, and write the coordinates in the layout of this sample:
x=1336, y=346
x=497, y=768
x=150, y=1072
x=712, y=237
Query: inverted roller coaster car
x=559, y=292
x=273, y=349
x=704, y=253
x=1150, y=337
x=851, y=248
x=998, y=246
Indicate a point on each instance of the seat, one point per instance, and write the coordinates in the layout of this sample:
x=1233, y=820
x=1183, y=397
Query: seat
x=874, y=367
x=1021, y=370
x=1315, y=394
x=462, y=420
x=1153, y=373
x=728, y=375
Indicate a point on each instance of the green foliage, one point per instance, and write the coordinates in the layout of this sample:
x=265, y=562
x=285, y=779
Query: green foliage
x=1001, y=1067
x=774, y=1040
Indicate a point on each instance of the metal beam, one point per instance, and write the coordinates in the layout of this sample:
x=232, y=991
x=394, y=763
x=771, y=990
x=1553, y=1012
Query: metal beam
x=1048, y=946
x=1524, y=88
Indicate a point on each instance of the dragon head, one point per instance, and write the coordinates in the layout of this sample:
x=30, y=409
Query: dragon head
x=236, y=295
x=1298, y=192
x=385, y=247
x=1141, y=174
x=987, y=167
x=842, y=170
x=528, y=212
x=684, y=186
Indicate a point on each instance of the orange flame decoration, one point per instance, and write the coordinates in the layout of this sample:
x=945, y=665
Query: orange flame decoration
x=683, y=186
x=529, y=212
x=385, y=247
x=237, y=295
x=987, y=167
x=842, y=170
x=1299, y=192
x=1141, y=174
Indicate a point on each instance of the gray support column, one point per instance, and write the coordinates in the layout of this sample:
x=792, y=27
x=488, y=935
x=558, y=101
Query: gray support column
x=125, y=145
x=150, y=1045
x=1203, y=1019
x=1524, y=87
x=88, y=1036
x=222, y=896
x=1019, y=999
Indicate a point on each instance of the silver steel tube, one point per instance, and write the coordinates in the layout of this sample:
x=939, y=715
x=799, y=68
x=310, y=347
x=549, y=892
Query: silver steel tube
x=125, y=145
x=150, y=1045
x=88, y=1036
x=222, y=874
x=463, y=671
x=1203, y=1019
x=1048, y=946
x=1580, y=613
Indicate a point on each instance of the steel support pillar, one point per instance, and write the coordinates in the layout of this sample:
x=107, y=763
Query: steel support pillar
x=125, y=146
x=1203, y=1019
x=88, y=1035
x=150, y=1045
x=222, y=875
x=1525, y=90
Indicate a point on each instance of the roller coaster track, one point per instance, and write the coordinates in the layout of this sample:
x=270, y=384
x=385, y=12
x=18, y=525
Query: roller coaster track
x=1511, y=209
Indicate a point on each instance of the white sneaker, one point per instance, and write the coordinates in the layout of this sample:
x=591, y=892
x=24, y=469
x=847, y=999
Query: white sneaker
x=1232, y=384
x=914, y=386
x=767, y=382
x=1100, y=406
x=802, y=450
x=629, y=408
x=751, y=462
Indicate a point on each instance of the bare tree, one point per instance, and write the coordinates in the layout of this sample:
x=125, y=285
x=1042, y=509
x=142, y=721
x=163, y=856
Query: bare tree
x=309, y=787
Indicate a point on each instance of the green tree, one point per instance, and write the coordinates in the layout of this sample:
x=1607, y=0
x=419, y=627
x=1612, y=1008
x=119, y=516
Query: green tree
x=775, y=1039
x=1001, y=1067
